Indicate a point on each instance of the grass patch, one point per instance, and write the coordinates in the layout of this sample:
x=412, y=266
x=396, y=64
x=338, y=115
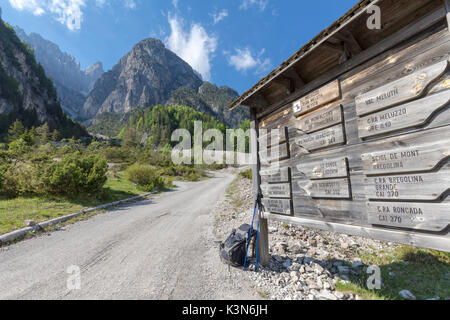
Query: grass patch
x=14, y=212
x=233, y=195
x=425, y=273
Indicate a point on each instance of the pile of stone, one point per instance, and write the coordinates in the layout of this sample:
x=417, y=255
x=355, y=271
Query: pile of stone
x=306, y=263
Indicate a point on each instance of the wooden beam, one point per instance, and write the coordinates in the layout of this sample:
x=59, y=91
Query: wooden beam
x=347, y=37
x=447, y=8
x=259, y=100
x=263, y=239
x=422, y=240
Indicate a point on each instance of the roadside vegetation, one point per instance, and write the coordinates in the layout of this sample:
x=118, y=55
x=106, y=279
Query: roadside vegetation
x=43, y=177
x=425, y=273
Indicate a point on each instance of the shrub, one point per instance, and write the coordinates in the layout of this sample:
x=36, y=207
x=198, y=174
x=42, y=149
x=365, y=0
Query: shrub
x=16, y=180
x=246, y=174
x=75, y=174
x=145, y=177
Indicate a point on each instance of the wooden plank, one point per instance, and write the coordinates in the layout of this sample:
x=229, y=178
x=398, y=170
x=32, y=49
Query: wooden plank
x=405, y=116
x=274, y=154
x=263, y=239
x=327, y=168
x=317, y=98
x=275, y=175
x=416, y=158
x=415, y=187
x=256, y=164
x=330, y=188
x=419, y=216
x=320, y=139
x=399, y=91
x=281, y=190
x=280, y=206
x=273, y=137
x=435, y=242
x=320, y=119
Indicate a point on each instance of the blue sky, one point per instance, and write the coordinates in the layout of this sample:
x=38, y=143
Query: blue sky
x=230, y=42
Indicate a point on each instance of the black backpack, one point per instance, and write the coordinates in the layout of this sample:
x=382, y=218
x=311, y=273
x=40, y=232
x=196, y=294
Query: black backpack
x=232, y=251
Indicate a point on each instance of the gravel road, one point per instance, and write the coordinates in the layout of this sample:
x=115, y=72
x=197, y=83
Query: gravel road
x=163, y=248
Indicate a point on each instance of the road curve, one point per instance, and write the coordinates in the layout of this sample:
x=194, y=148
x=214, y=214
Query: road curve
x=161, y=248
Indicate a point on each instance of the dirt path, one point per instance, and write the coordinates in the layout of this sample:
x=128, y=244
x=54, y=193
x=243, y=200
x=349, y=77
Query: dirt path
x=163, y=248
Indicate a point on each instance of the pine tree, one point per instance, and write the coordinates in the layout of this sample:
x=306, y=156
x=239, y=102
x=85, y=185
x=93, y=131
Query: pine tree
x=15, y=130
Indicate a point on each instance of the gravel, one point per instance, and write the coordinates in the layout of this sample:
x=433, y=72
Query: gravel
x=306, y=263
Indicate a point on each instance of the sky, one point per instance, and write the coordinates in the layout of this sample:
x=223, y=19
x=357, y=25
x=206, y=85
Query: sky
x=229, y=42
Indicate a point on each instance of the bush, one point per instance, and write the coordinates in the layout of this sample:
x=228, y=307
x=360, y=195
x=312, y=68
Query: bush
x=145, y=177
x=18, y=179
x=75, y=174
x=246, y=174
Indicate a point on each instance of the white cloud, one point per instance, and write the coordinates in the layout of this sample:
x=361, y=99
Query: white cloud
x=194, y=46
x=130, y=4
x=33, y=6
x=67, y=12
x=246, y=4
x=217, y=17
x=243, y=60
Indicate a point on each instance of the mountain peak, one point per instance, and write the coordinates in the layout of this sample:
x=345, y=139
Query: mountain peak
x=144, y=77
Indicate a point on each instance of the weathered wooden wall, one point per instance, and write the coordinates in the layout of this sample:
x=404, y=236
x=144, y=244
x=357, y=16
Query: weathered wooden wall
x=370, y=148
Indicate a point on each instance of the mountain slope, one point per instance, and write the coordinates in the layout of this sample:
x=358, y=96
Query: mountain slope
x=209, y=98
x=72, y=84
x=25, y=91
x=156, y=125
x=144, y=77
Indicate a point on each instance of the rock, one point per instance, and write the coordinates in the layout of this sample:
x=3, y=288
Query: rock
x=434, y=299
x=318, y=269
x=30, y=223
x=326, y=295
x=295, y=267
x=344, y=245
x=406, y=294
x=339, y=295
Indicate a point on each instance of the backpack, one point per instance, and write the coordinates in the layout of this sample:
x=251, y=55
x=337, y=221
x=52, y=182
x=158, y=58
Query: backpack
x=233, y=250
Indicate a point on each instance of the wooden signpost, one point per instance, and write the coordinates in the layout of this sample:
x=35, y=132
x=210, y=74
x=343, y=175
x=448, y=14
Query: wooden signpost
x=321, y=139
x=330, y=188
x=282, y=190
x=320, y=119
x=412, y=114
x=399, y=91
x=367, y=146
x=421, y=216
x=315, y=99
x=327, y=168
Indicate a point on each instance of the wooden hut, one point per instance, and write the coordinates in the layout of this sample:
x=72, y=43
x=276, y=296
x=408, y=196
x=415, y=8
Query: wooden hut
x=353, y=130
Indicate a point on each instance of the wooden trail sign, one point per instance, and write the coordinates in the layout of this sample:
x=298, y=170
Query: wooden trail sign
x=319, y=97
x=399, y=91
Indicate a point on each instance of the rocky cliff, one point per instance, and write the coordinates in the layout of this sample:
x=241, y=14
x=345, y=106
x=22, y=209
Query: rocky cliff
x=144, y=77
x=72, y=83
x=25, y=91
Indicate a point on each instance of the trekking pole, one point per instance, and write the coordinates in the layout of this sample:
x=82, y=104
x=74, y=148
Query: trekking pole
x=251, y=231
x=257, y=237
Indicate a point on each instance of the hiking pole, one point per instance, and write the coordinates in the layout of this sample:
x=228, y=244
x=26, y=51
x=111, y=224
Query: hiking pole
x=251, y=231
x=257, y=238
